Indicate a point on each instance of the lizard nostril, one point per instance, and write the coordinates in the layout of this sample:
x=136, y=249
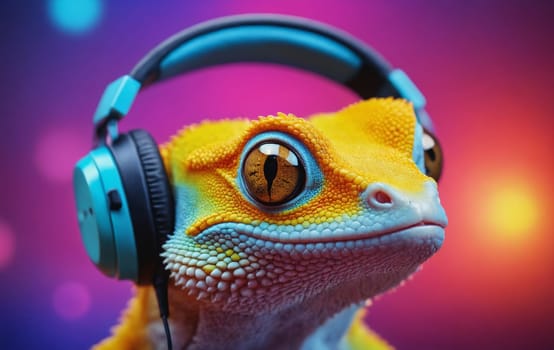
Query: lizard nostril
x=379, y=197
x=382, y=197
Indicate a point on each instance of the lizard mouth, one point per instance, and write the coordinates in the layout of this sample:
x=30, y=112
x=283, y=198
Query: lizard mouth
x=422, y=229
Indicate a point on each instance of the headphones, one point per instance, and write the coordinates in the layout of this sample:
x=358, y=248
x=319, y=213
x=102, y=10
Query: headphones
x=124, y=201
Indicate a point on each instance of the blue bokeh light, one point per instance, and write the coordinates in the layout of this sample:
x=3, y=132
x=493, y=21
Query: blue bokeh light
x=75, y=16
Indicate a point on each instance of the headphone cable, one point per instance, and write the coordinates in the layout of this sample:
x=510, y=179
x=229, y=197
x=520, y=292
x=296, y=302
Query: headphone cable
x=160, y=286
x=167, y=332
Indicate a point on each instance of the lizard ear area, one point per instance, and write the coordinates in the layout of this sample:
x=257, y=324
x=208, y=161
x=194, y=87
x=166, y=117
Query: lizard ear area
x=273, y=172
x=432, y=153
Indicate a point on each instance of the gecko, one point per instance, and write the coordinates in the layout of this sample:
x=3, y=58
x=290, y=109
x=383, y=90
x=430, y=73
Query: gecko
x=287, y=227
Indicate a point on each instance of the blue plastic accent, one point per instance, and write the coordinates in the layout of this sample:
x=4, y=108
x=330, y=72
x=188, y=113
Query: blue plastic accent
x=107, y=234
x=407, y=88
x=117, y=99
x=417, y=150
x=314, y=176
x=93, y=214
x=126, y=251
x=113, y=129
x=264, y=43
x=425, y=120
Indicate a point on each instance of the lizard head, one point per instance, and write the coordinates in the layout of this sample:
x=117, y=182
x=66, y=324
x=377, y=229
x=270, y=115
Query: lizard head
x=282, y=210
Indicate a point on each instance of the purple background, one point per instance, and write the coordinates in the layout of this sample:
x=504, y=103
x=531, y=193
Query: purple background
x=486, y=68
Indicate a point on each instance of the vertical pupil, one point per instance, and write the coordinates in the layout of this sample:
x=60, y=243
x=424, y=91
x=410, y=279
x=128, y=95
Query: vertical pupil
x=270, y=172
x=431, y=154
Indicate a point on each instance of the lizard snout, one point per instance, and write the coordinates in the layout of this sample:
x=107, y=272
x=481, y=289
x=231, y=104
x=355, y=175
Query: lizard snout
x=424, y=206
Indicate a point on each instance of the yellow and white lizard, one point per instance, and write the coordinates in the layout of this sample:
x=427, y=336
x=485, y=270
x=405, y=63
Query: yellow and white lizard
x=286, y=226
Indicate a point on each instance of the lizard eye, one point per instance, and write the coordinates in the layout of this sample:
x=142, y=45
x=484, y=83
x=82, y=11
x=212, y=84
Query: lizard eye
x=273, y=173
x=432, y=155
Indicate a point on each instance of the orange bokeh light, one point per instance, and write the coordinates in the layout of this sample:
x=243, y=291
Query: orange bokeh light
x=511, y=211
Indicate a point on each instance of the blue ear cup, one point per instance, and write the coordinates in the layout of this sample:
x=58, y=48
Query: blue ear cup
x=103, y=213
x=125, y=206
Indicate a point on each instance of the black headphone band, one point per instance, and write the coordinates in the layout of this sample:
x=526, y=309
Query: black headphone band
x=279, y=39
x=367, y=81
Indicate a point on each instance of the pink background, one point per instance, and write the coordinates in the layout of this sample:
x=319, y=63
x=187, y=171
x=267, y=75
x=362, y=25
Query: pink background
x=484, y=66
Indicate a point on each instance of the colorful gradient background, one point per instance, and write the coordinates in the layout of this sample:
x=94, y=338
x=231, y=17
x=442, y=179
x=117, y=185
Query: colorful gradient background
x=486, y=68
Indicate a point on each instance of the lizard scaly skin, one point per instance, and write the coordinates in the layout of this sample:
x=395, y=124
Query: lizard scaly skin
x=286, y=226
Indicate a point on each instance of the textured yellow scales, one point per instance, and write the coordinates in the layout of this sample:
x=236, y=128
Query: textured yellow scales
x=350, y=146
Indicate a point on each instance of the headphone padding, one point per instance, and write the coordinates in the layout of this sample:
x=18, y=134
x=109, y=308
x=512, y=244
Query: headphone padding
x=159, y=190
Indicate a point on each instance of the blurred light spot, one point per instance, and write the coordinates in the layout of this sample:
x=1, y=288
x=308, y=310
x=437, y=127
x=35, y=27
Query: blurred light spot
x=57, y=151
x=7, y=245
x=71, y=300
x=512, y=210
x=75, y=16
